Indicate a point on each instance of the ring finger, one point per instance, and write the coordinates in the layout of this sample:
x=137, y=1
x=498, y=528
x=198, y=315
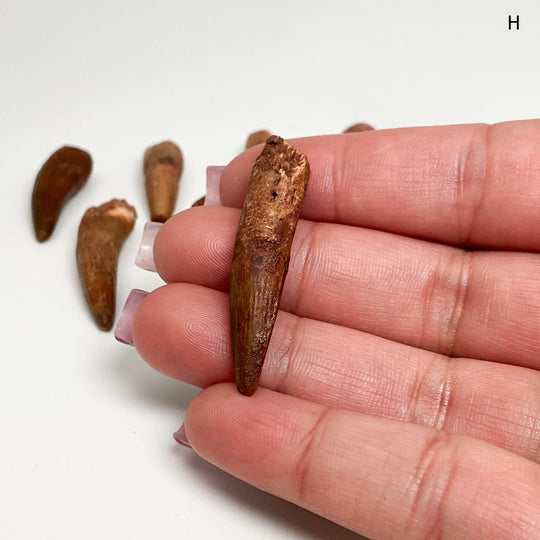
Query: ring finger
x=183, y=331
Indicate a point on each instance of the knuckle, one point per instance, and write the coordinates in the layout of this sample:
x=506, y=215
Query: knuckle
x=444, y=301
x=431, y=485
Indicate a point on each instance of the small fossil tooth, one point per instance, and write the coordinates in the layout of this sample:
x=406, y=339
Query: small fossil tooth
x=199, y=202
x=162, y=165
x=261, y=254
x=257, y=137
x=102, y=232
x=358, y=128
x=63, y=174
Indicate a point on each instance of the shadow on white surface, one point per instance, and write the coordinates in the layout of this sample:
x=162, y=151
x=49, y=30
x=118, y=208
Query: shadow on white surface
x=293, y=520
x=159, y=391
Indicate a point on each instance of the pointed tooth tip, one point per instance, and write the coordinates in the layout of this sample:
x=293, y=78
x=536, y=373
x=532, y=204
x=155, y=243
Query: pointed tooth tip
x=42, y=233
x=246, y=389
x=104, y=322
x=159, y=218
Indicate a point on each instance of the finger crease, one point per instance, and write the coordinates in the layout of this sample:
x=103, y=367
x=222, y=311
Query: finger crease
x=458, y=305
x=431, y=486
x=305, y=264
x=430, y=398
x=338, y=182
x=445, y=296
x=304, y=465
x=472, y=205
x=288, y=356
x=443, y=404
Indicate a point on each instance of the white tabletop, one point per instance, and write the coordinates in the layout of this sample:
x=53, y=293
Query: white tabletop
x=86, y=425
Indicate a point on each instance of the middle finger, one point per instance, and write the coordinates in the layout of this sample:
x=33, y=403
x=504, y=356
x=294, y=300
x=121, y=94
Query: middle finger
x=432, y=296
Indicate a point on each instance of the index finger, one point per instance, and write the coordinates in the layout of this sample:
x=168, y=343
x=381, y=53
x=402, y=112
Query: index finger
x=378, y=477
x=476, y=185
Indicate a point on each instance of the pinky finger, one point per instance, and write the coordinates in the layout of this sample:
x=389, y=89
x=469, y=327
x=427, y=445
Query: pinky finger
x=380, y=478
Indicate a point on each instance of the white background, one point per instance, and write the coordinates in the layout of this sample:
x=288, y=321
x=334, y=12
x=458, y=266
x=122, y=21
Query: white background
x=86, y=449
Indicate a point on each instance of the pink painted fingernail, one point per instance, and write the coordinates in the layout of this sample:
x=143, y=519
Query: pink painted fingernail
x=213, y=178
x=180, y=437
x=124, y=328
x=145, y=256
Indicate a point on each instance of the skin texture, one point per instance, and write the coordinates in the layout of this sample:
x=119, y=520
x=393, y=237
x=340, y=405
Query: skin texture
x=162, y=165
x=400, y=396
x=261, y=255
x=102, y=233
x=61, y=177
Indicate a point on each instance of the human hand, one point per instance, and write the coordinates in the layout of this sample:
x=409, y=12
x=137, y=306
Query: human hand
x=400, y=395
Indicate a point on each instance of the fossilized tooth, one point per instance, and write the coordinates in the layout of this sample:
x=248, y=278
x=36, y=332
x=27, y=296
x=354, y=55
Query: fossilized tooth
x=62, y=176
x=102, y=232
x=199, y=202
x=257, y=137
x=163, y=165
x=261, y=254
x=358, y=128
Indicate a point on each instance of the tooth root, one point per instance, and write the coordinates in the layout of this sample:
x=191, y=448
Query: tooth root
x=63, y=174
x=102, y=233
x=261, y=255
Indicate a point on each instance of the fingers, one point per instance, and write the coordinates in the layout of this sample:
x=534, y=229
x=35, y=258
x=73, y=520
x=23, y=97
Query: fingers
x=380, y=478
x=451, y=301
x=183, y=331
x=469, y=185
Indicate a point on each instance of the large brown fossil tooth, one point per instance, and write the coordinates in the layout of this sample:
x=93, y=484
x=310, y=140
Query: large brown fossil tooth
x=61, y=176
x=162, y=165
x=261, y=254
x=102, y=232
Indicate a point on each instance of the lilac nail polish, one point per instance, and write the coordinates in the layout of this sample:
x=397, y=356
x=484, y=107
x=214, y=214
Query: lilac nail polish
x=124, y=328
x=145, y=256
x=213, y=178
x=181, y=438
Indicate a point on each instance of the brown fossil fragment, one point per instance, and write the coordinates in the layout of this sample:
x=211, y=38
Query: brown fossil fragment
x=199, y=202
x=257, y=137
x=261, y=254
x=102, y=232
x=62, y=176
x=358, y=128
x=163, y=165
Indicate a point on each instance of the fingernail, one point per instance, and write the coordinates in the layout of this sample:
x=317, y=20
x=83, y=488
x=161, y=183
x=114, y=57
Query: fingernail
x=213, y=177
x=145, y=256
x=181, y=438
x=124, y=328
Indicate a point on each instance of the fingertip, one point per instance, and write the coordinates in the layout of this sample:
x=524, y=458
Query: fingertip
x=206, y=422
x=250, y=437
x=143, y=324
x=169, y=242
x=164, y=241
x=229, y=429
x=196, y=246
